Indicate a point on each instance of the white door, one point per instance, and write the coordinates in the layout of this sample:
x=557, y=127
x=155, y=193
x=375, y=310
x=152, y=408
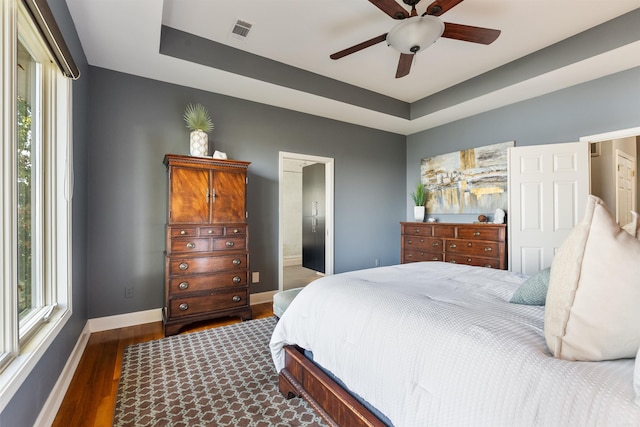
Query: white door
x=625, y=188
x=548, y=189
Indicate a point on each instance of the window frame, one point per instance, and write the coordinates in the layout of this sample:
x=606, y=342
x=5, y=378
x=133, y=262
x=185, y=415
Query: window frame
x=21, y=349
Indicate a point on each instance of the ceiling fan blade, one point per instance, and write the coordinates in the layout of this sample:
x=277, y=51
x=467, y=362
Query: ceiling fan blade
x=439, y=7
x=391, y=8
x=469, y=33
x=404, y=64
x=358, y=47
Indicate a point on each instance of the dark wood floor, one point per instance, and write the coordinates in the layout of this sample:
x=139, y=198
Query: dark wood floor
x=91, y=396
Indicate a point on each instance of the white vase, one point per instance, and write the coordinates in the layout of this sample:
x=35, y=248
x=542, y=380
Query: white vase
x=418, y=213
x=199, y=143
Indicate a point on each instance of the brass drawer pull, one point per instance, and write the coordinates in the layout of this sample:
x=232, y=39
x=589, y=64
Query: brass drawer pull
x=191, y=245
x=184, y=306
x=236, y=298
x=229, y=244
x=488, y=249
x=468, y=259
x=409, y=255
x=183, y=266
x=183, y=285
x=476, y=233
x=436, y=244
x=210, y=231
x=236, y=261
x=469, y=244
x=453, y=261
x=417, y=230
x=236, y=231
x=453, y=245
x=183, y=232
x=488, y=265
x=236, y=279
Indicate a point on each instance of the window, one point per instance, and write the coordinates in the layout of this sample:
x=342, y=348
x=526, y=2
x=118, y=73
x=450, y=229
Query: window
x=35, y=208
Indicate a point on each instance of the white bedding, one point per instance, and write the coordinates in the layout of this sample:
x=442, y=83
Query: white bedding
x=437, y=344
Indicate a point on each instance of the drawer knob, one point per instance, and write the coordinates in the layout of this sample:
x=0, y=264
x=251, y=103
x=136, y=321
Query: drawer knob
x=210, y=231
x=183, y=232
x=488, y=249
x=453, y=245
x=453, y=261
x=236, y=261
x=191, y=245
x=435, y=258
x=409, y=242
x=476, y=233
x=236, y=231
x=417, y=230
x=488, y=265
x=469, y=244
x=183, y=285
x=183, y=266
x=436, y=244
x=184, y=306
x=236, y=298
x=409, y=255
x=229, y=244
x=468, y=259
x=236, y=279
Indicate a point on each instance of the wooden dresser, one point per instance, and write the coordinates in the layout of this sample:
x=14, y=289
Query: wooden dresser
x=476, y=244
x=207, y=241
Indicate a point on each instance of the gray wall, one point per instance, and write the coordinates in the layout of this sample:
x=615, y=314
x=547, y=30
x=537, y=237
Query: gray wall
x=607, y=104
x=26, y=404
x=135, y=121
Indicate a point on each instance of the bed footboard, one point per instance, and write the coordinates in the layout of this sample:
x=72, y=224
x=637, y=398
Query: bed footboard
x=302, y=378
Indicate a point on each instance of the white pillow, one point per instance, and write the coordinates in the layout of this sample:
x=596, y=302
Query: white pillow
x=594, y=291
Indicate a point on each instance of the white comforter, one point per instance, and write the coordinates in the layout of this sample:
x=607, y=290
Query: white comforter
x=436, y=344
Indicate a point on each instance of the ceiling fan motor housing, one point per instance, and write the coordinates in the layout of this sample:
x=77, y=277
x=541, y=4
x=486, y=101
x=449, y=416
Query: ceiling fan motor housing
x=415, y=33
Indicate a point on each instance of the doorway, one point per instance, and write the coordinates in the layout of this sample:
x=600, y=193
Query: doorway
x=292, y=217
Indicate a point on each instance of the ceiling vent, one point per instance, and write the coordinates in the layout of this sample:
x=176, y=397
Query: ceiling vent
x=241, y=29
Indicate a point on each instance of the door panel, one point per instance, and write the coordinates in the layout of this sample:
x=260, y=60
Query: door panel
x=192, y=204
x=313, y=217
x=228, y=197
x=548, y=189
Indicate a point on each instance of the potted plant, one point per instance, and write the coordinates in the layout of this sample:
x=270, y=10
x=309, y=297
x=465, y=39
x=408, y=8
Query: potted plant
x=419, y=197
x=199, y=123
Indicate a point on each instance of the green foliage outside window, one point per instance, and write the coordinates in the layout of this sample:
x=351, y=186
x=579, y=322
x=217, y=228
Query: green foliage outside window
x=24, y=208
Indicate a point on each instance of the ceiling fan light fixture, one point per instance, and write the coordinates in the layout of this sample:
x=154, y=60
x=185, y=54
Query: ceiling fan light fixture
x=415, y=34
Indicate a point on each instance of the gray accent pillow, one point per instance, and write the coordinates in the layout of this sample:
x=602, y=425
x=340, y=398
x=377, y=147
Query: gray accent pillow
x=534, y=290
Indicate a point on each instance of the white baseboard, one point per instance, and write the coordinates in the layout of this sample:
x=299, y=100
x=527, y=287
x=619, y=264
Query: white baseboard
x=52, y=405
x=292, y=261
x=124, y=320
x=262, y=297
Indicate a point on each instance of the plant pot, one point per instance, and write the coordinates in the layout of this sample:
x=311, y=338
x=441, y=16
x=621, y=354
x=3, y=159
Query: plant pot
x=418, y=213
x=199, y=143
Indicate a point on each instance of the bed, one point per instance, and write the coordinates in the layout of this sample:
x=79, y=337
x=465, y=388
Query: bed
x=432, y=344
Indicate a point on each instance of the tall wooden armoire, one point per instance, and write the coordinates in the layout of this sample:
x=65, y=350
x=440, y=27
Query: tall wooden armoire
x=207, y=241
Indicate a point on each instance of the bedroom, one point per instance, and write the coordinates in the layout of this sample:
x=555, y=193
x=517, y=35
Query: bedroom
x=124, y=124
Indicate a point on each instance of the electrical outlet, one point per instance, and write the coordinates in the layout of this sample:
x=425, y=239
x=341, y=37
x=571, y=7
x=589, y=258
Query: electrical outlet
x=128, y=292
x=255, y=277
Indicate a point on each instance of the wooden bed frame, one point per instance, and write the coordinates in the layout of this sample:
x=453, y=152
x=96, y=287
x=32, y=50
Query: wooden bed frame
x=302, y=378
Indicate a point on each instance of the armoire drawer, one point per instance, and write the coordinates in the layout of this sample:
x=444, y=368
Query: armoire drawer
x=230, y=244
x=199, y=265
x=189, y=244
x=186, y=284
x=233, y=298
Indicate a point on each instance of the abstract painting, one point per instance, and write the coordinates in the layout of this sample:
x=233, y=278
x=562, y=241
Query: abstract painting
x=468, y=181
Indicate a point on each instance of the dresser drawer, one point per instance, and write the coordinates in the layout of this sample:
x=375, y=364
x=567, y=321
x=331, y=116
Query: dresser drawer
x=481, y=233
x=198, y=265
x=211, y=231
x=184, y=231
x=223, y=300
x=444, y=231
x=416, y=229
x=187, y=244
x=415, y=255
x=472, y=247
x=205, y=282
x=426, y=243
x=473, y=260
x=230, y=244
x=240, y=230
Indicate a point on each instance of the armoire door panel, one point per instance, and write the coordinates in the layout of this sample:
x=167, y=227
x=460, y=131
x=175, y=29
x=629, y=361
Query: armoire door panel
x=228, y=197
x=193, y=204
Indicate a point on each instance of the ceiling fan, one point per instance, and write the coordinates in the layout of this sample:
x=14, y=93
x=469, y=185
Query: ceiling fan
x=415, y=33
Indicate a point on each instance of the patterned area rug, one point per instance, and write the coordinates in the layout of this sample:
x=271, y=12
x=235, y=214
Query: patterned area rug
x=219, y=377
